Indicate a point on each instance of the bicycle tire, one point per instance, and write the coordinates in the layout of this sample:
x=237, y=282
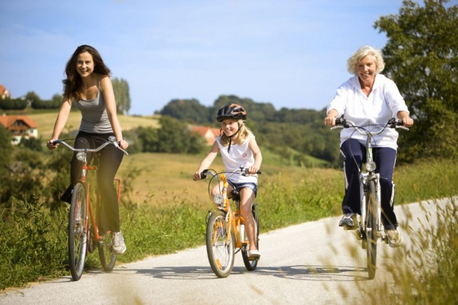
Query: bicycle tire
x=251, y=264
x=220, y=249
x=371, y=230
x=106, y=254
x=77, y=234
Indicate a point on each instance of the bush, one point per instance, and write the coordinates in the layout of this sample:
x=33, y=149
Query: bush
x=34, y=243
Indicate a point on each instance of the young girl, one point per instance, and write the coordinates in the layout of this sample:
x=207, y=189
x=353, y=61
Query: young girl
x=238, y=147
x=88, y=84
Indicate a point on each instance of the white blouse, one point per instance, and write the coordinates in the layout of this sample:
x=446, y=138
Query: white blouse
x=382, y=104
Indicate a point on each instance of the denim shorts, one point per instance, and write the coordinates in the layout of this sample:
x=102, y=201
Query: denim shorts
x=249, y=185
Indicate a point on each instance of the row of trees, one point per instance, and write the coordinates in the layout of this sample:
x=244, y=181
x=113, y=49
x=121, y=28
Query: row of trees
x=32, y=99
x=293, y=134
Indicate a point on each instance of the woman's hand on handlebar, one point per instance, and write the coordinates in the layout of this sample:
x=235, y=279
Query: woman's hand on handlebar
x=50, y=144
x=407, y=121
x=330, y=121
x=123, y=144
x=196, y=176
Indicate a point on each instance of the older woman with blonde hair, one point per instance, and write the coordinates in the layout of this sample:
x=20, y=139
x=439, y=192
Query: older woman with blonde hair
x=368, y=98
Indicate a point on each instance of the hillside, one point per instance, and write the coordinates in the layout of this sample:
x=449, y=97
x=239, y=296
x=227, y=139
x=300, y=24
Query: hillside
x=46, y=122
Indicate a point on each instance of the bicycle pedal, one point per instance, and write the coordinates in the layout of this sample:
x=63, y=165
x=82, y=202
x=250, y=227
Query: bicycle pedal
x=348, y=228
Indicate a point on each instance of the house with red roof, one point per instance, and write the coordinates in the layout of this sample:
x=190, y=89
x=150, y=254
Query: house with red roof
x=20, y=127
x=210, y=134
x=4, y=93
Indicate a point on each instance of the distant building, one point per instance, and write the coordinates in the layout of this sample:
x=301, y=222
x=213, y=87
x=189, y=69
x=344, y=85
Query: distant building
x=20, y=127
x=4, y=93
x=210, y=134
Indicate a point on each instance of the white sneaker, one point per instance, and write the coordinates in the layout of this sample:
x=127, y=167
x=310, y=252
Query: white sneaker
x=394, y=238
x=119, y=247
x=348, y=220
x=254, y=254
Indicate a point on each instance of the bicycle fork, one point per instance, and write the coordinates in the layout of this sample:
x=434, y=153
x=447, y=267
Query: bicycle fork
x=364, y=201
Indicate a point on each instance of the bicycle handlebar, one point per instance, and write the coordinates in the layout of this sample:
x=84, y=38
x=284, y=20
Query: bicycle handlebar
x=111, y=140
x=392, y=123
x=244, y=170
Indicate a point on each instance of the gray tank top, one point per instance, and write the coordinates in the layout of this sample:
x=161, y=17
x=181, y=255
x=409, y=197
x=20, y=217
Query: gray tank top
x=94, y=115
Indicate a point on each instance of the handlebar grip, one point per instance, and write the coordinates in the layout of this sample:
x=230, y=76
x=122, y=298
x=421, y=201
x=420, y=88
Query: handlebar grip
x=56, y=142
x=340, y=121
x=203, y=174
x=245, y=171
x=393, y=122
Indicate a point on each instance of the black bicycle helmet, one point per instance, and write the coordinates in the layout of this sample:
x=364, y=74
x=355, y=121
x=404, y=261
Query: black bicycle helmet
x=231, y=111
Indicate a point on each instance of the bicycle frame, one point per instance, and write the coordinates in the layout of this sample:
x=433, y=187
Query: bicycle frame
x=235, y=219
x=364, y=177
x=95, y=217
x=82, y=238
x=370, y=225
x=225, y=227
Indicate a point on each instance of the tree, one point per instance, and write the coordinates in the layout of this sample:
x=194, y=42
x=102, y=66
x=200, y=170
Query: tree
x=186, y=110
x=422, y=58
x=121, y=91
x=175, y=136
x=31, y=97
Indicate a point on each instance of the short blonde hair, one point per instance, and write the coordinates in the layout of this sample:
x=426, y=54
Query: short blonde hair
x=354, y=60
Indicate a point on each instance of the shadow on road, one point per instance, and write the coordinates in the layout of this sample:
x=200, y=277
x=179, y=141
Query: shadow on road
x=316, y=273
x=296, y=272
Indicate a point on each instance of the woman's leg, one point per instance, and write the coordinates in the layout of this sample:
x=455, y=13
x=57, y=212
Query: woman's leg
x=353, y=153
x=385, y=158
x=82, y=140
x=109, y=162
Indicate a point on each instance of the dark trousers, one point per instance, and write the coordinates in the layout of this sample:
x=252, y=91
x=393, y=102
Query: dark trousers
x=354, y=154
x=109, y=161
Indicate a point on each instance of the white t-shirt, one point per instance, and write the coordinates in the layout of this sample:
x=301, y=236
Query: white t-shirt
x=382, y=104
x=239, y=155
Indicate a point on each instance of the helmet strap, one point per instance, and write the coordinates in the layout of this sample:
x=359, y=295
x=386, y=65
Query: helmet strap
x=230, y=139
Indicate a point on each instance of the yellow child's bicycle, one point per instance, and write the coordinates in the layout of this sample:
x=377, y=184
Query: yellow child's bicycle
x=225, y=233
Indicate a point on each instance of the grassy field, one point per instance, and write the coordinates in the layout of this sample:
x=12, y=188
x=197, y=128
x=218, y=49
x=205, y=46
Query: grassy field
x=46, y=122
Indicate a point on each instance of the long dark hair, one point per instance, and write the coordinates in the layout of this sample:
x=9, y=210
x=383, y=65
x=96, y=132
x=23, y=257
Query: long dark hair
x=73, y=82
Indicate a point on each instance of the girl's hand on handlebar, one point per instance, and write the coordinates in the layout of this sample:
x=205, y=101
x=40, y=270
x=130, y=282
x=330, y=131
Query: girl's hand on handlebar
x=253, y=170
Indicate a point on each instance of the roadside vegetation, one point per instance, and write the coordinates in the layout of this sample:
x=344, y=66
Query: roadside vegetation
x=168, y=213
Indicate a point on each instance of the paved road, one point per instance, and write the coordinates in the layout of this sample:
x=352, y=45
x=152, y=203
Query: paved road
x=310, y=263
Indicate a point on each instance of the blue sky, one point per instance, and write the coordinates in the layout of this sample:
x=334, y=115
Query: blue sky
x=291, y=53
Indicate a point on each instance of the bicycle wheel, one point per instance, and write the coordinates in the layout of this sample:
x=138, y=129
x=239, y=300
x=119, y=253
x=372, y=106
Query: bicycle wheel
x=106, y=254
x=220, y=249
x=371, y=229
x=77, y=234
x=251, y=264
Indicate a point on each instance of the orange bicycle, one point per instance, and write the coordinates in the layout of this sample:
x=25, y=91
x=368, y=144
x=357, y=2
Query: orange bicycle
x=225, y=233
x=83, y=232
